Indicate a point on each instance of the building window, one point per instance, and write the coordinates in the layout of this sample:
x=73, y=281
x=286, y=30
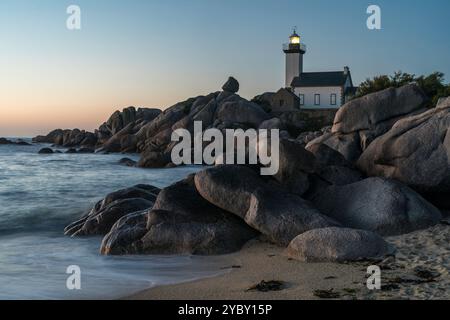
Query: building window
x=333, y=99
x=302, y=99
x=281, y=102
x=317, y=99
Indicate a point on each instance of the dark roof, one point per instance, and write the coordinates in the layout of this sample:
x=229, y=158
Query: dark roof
x=320, y=79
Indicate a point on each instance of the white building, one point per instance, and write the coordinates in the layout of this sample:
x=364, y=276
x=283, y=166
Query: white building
x=316, y=90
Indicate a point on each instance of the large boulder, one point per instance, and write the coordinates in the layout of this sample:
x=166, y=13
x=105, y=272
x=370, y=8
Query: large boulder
x=101, y=222
x=326, y=156
x=339, y=175
x=241, y=111
x=375, y=204
x=154, y=159
x=232, y=85
x=349, y=145
x=100, y=219
x=338, y=245
x=416, y=151
x=279, y=216
x=367, y=112
x=295, y=164
x=283, y=216
x=362, y=120
x=181, y=222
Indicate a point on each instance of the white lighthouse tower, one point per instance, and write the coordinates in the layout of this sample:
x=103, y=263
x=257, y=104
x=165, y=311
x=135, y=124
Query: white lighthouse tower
x=294, y=51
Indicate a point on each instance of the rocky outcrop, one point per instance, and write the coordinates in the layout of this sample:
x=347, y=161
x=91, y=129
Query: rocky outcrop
x=368, y=112
x=362, y=120
x=338, y=245
x=416, y=151
x=99, y=223
x=279, y=216
x=149, y=131
x=375, y=204
x=115, y=135
x=100, y=219
x=19, y=142
x=181, y=222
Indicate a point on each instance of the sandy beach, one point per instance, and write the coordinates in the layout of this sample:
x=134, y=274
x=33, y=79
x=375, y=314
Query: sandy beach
x=420, y=270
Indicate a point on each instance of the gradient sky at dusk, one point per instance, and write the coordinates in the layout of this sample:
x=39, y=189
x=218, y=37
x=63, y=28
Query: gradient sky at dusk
x=157, y=52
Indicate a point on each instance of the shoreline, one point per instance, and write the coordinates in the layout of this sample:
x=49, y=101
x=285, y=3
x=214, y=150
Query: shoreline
x=424, y=250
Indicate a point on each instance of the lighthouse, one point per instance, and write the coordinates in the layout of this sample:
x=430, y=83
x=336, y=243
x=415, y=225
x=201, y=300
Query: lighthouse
x=294, y=51
x=315, y=90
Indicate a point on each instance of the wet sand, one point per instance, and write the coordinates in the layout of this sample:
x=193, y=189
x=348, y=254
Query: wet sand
x=419, y=271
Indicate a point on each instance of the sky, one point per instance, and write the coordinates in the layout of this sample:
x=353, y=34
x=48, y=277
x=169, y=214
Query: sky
x=154, y=53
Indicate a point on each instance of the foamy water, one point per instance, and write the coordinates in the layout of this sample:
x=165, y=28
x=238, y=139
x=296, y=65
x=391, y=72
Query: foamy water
x=40, y=194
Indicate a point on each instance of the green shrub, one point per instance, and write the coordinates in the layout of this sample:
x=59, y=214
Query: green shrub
x=433, y=84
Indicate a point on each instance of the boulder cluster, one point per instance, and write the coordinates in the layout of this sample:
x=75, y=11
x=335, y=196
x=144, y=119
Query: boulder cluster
x=383, y=169
x=20, y=142
x=148, y=131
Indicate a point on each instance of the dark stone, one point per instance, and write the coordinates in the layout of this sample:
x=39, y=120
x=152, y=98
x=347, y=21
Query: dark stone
x=232, y=85
x=46, y=151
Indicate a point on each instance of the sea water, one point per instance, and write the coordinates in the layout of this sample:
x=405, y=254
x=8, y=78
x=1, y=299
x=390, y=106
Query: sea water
x=40, y=194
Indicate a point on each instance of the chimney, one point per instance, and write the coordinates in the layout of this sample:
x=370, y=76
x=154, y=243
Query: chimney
x=346, y=70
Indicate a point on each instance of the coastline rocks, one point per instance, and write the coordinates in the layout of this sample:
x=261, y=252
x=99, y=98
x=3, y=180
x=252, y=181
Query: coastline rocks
x=5, y=141
x=154, y=159
x=295, y=164
x=279, y=216
x=349, y=145
x=45, y=151
x=416, y=151
x=362, y=120
x=20, y=142
x=115, y=205
x=51, y=137
x=99, y=223
x=375, y=204
x=241, y=111
x=339, y=175
x=338, y=245
x=283, y=216
x=327, y=156
x=181, y=222
x=367, y=112
x=237, y=182
x=232, y=85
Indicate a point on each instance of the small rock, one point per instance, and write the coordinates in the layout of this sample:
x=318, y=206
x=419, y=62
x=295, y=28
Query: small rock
x=127, y=162
x=232, y=85
x=46, y=151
